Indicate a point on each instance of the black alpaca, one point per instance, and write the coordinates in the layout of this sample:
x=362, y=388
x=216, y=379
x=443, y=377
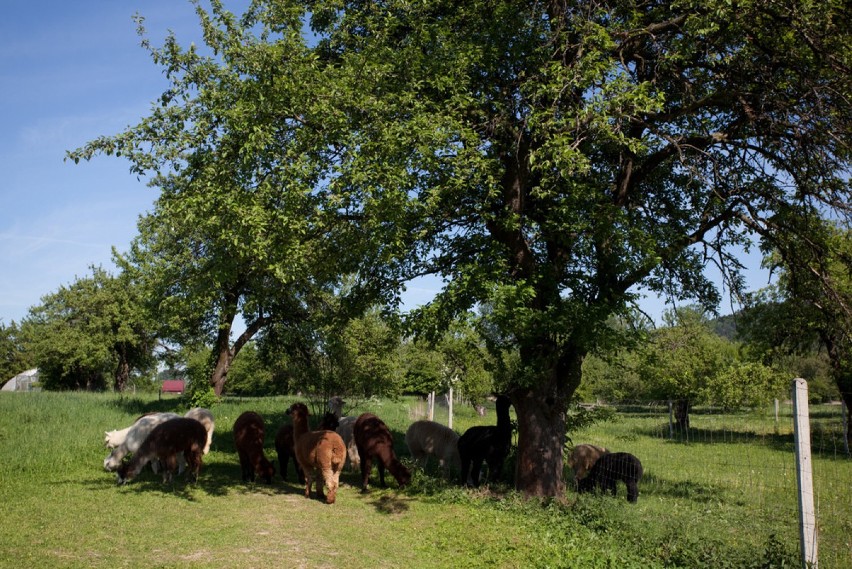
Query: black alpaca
x=486, y=443
x=611, y=468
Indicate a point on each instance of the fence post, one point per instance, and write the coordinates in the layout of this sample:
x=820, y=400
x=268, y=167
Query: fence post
x=845, y=413
x=776, y=416
x=450, y=403
x=431, y=399
x=671, y=420
x=804, y=474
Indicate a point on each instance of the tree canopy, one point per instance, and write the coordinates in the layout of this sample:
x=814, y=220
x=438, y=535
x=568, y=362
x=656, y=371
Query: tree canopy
x=545, y=158
x=91, y=334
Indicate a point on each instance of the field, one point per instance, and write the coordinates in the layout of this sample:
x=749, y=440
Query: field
x=725, y=498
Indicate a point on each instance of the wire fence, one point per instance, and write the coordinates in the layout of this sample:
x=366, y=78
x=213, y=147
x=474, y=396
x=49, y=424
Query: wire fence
x=742, y=466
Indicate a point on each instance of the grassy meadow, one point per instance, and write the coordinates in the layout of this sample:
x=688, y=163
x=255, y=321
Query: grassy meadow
x=725, y=498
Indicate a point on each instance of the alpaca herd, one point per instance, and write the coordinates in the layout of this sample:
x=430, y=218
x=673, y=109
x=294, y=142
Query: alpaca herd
x=175, y=443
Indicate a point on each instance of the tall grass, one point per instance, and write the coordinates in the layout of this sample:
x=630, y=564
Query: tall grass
x=702, y=504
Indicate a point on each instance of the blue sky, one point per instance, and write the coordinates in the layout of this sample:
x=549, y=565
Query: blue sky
x=72, y=71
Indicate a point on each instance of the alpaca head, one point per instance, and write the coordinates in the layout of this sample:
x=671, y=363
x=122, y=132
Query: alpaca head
x=503, y=403
x=335, y=405
x=400, y=473
x=297, y=410
x=329, y=422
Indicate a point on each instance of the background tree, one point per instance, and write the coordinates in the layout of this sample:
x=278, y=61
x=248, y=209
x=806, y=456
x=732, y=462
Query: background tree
x=545, y=158
x=14, y=358
x=812, y=303
x=91, y=335
x=680, y=360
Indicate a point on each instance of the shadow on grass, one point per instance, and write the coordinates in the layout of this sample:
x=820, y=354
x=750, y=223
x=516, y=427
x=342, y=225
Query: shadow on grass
x=652, y=485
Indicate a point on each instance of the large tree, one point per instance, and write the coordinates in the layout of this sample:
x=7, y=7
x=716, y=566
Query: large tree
x=544, y=158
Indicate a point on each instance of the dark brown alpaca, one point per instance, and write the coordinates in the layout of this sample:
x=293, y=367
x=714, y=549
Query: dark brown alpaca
x=486, y=443
x=285, y=445
x=248, y=438
x=374, y=440
x=317, y=451
x=164, y=443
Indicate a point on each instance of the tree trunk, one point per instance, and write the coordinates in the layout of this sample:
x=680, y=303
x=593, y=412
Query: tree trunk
x=224, y=357
x=541, y=439
x=122, y=371
x=682, y=414
x=542, y=418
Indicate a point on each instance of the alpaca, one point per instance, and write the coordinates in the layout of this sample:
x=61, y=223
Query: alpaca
x=114, y=438
x=374, y=440
x=583, y=458
x=205, y=417
x=248, y=438
x=345, y=430
x=180, y=436
x=425, y=438
x=321, y=451
x=135, y=436
x=486, y=443
x=611, y=468
x=284, y=445
x=335, y=406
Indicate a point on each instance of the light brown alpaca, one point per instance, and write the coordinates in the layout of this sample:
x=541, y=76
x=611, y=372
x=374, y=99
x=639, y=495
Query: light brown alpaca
x=317, y=450
x=167, y=440
x=583, y=458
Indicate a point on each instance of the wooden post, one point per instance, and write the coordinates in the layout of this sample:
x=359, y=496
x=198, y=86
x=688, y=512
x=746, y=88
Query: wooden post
x=804, y=475
x=432, y=406
x=450, y=403
x=845, y=415
x=671, y=420
x=776, y=416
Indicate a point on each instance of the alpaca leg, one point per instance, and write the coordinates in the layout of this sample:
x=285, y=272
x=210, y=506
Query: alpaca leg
x=632, y=491
x=328, y=477
x=193, y=463
x=381, y=466
x=308, y=481
x=169, y=466
x=475, y=471
x=366, y=466
x=465, y=470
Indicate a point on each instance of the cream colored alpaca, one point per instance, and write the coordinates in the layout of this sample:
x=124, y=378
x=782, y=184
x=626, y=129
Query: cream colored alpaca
x=317, y=450
x=425, y=438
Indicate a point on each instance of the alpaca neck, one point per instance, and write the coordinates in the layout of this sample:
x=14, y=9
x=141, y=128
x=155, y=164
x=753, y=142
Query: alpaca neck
x=300, y=426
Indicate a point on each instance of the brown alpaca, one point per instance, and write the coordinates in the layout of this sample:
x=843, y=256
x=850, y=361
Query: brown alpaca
x=248, y=438
x=317, y=450
x=167, y=440
x=284, y=445
x=374, y=440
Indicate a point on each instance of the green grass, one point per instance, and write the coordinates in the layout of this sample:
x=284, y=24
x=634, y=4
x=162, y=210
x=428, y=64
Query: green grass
x=724, y=502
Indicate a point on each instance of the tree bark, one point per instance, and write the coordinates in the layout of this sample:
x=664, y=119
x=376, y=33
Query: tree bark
x=542, y=420
x=541, y=439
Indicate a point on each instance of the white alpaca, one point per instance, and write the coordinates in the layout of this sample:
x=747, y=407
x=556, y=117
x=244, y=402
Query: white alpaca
x=426, y=438
x=205, y=417
x=346, y=431
x=114, y=438
x=135, y=436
